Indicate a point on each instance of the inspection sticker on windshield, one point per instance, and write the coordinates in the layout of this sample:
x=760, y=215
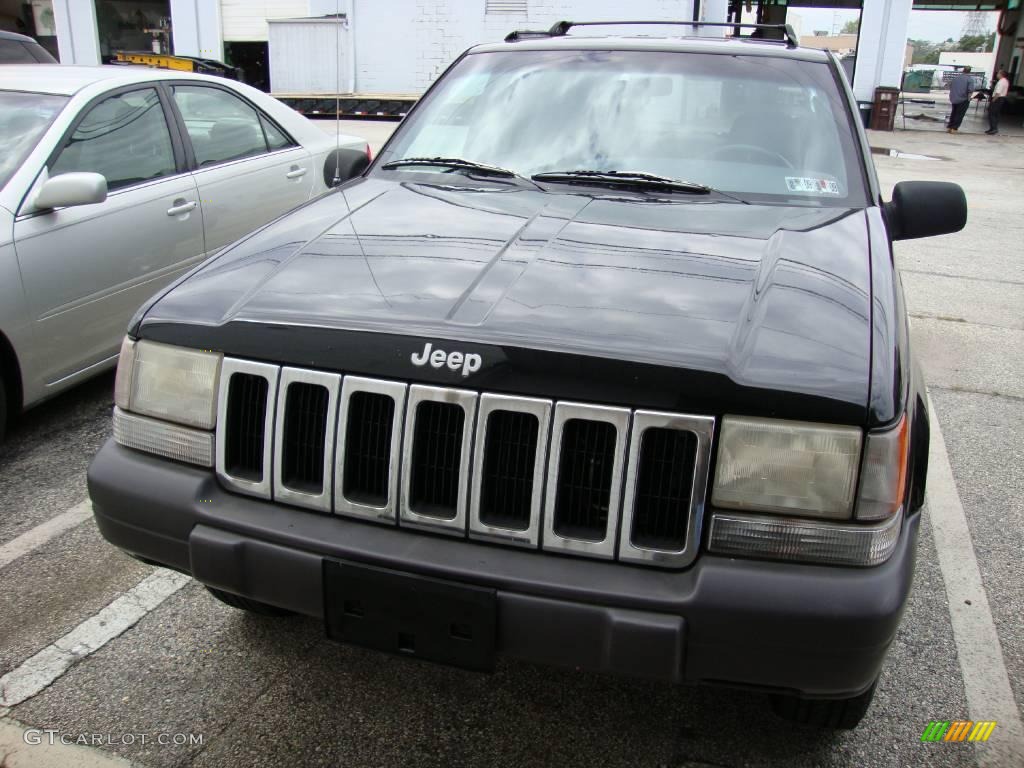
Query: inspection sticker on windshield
x=814, y=186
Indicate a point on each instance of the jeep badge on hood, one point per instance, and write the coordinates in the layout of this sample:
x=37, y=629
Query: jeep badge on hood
x=454, y=360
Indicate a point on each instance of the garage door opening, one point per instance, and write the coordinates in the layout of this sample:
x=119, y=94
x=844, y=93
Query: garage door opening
x=133, y=25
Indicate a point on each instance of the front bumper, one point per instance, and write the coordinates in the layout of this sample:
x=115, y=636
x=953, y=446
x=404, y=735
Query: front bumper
x=814, y=630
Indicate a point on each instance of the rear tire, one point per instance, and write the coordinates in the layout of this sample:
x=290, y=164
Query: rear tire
x=837, y=714
x=245, y=604
x=3, y=409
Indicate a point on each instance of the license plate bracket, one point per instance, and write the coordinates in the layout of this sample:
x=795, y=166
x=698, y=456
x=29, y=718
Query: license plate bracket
x=408, y=615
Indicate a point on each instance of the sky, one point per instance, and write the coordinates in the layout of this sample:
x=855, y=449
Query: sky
x=935, y=26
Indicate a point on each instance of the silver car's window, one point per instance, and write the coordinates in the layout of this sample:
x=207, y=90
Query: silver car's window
x=275, y=138
x=24, y=117
x=221, y=126
x=15, y=52
x=757, y=126
x=124, y=138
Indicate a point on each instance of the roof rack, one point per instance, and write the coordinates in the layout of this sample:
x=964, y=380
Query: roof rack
x=561, y=28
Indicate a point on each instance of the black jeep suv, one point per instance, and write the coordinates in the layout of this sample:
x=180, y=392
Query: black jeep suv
x=602, y=362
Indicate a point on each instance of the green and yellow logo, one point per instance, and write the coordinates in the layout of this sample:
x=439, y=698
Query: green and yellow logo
x=958, y=730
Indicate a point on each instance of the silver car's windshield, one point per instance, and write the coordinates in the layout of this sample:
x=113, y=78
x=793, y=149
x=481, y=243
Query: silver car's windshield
x=23, y=119
x=759, y=127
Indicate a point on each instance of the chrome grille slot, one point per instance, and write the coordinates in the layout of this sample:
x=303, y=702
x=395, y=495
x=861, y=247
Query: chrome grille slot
x=305, y=437
x=368, y=448
x=435, y=459
x=436, y=452
x=307, y=402
x=369, y=435
x=584, y=482
x=507, y=478
x=662, y=500
x=581, y=512
x=245, y=425
x=508, y=468
x=581, y=479
x=666, y=481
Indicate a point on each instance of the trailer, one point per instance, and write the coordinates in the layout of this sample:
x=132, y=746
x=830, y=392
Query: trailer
x=376, y=106
x=179, y=63
x=313, y=70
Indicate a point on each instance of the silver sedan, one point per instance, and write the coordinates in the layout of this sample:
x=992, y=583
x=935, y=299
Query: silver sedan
x=114, y=181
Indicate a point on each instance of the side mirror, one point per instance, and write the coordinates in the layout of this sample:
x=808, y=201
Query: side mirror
x=924, y=209
x=344, y=164
x=67, y=189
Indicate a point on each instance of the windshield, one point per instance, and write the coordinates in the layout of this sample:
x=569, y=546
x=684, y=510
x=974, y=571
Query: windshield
x=23, y=119
x=762, y=128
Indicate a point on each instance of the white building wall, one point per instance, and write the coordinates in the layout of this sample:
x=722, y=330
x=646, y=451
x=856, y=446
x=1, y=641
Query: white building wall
x=77, y=32
x=247, y=19
x=980, y=63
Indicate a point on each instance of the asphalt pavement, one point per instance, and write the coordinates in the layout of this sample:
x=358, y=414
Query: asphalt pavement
x=194, y=682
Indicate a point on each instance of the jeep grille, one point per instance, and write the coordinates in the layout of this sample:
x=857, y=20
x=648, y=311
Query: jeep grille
x=578, y=479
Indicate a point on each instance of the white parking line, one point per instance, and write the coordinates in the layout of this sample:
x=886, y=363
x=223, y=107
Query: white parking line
x=41, y=670
x=986, y=684
x=43, y=532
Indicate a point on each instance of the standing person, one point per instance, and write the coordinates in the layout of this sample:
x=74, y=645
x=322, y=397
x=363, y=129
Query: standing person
x=995, y=107
x=960, y=88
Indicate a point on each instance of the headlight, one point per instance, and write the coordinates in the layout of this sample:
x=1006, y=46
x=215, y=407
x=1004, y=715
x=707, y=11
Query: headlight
x=788, y=467
x=170, y=383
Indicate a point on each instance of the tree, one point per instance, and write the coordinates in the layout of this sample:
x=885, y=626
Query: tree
x=925, y=52
x=852, y=27
x=976, y=42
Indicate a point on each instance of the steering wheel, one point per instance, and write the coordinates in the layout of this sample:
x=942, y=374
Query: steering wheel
x=756, y=150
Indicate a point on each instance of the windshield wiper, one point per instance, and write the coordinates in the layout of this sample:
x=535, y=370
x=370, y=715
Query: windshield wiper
x=631, y=179
x=451, y=162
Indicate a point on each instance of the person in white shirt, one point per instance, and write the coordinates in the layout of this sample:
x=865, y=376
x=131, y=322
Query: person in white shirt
x=995, y=107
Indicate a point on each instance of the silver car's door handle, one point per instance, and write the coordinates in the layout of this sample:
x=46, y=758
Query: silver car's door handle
x=180, y=207
x=295, y=173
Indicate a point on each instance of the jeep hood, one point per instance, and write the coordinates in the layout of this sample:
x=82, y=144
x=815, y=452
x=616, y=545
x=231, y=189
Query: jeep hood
x=763, y=299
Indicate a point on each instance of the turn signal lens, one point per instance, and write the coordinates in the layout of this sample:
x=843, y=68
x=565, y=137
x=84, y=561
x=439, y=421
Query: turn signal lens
x=163, y=439
x=789, y=467
x=883, y=478
x=123, y=381
x=807, y=541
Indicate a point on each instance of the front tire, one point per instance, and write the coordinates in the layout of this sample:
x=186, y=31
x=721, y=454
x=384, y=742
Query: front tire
x=245, y=604
x=836, y=714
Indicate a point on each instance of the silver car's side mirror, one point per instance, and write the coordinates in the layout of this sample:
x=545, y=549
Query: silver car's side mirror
x=69, y=189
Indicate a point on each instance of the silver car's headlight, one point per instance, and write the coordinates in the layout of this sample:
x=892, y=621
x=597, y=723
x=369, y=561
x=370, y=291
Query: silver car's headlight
x=787, y=467
x=170, y=383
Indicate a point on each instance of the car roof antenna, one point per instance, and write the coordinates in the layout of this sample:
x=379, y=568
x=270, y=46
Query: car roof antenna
x=337, y=95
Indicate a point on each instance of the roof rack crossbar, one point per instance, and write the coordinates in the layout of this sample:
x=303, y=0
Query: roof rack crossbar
x=526, y=34
x=561, y=28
